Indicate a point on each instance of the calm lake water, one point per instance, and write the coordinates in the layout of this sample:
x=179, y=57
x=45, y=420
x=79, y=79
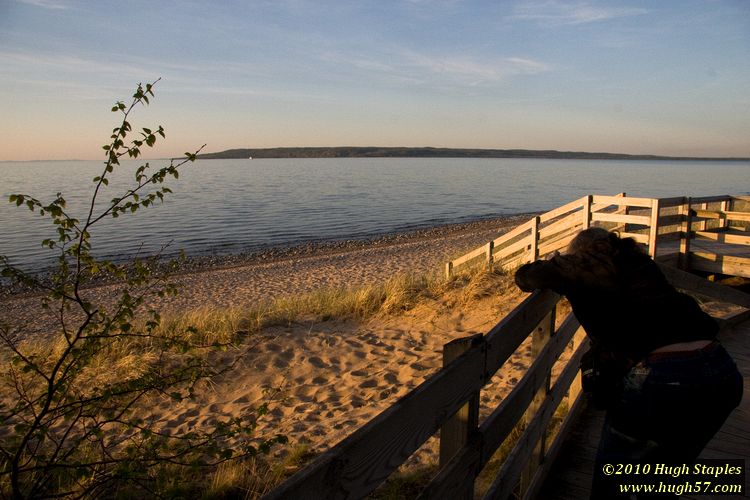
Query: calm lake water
x=233, y=206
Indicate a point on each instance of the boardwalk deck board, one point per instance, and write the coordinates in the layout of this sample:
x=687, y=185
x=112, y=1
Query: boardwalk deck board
x=732, y=441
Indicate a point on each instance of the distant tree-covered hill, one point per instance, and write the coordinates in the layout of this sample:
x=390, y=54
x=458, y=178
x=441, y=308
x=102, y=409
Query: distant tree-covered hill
x=425, y=152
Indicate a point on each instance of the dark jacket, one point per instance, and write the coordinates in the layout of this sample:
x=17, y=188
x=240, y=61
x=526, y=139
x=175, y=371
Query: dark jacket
x=622, y=300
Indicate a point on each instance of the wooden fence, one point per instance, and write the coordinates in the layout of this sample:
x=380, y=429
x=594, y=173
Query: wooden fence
x=449, y=400
x=361, y=462
x=651, y=221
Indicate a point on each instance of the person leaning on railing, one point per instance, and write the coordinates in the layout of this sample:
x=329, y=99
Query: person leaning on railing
x=655, y=365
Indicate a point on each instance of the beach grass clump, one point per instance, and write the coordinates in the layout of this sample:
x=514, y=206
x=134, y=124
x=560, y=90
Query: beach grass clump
x=228, y=325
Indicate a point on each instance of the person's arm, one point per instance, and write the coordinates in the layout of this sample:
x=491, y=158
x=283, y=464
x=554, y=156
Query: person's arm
x=542, y=274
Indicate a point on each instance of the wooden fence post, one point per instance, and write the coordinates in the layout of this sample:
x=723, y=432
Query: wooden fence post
x=455, y=432
x=539, y=339
x=723, y=221
x=703, y=225
x=653, y=234
x=685, y=231
x=490, y=247
x=448, y=269
x=535, y=238
x=576, y=386
x=623, y=210
x=587, y=211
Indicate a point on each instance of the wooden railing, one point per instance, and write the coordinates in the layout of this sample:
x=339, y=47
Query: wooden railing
x=361, y=462
x=449, y=400
x=553, y=230
x=651, y=221
x=713, y=229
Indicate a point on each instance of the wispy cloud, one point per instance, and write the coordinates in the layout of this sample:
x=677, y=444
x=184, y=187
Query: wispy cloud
x=556, y=12
x=409, y=67
x=471, y=71
x=47, y=4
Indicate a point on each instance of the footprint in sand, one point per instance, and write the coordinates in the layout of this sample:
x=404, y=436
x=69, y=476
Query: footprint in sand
x=391, y=378
x=368, y=384
x=317, y=362
x=287, y=354
x=319, y=380
x=273, y=347
x=280, y=363
x=359, y=373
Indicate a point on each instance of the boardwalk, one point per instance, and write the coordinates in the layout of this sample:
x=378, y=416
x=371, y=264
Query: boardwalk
x=570, y=477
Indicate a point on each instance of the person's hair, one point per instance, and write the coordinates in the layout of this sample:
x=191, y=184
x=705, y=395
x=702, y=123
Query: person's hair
x=599, y=240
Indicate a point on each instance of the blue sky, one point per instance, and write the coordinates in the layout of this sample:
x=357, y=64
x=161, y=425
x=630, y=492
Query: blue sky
x=662, y=77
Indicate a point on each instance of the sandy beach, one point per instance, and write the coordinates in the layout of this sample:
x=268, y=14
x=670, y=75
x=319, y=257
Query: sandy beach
x=327, y=378
x=238, y=280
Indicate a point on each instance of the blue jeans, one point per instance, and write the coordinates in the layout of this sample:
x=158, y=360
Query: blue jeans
x=671, y=406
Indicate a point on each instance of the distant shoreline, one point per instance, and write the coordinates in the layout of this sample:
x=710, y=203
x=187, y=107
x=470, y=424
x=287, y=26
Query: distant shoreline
x=428, y=152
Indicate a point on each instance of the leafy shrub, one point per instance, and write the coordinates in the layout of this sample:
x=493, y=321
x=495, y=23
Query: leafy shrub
x=69, y=417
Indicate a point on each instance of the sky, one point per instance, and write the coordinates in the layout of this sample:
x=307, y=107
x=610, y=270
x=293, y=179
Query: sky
x=642, y=77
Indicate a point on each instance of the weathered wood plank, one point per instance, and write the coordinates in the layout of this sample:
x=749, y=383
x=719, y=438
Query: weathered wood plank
x=692, y=283
x=722, y=264
x=732, y=320
x=640, y=238
x=570, y=222
x=629, y=201
x=505, y=337
x=477, y=252
x=586, y=212
x=718, y=214
x=518, y=231
x=670, y=220
x=711, y=199
x=534, y=249
x=513, y=248
x=454, y=433
x=568, y=207
x=557, y=244
x=643, y=220
x=672, y=202
x=683, y=260
x=653, y=232
x=724, y=237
